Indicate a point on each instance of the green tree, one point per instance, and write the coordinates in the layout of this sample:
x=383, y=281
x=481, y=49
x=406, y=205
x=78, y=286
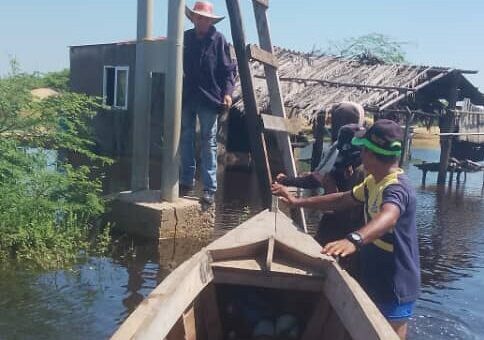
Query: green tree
x=369, y=46
x=48, y=206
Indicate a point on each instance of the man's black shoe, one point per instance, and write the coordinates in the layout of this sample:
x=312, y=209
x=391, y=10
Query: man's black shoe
x=208, y=197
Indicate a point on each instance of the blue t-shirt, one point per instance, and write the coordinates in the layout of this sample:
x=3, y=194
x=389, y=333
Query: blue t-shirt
x=390, y=265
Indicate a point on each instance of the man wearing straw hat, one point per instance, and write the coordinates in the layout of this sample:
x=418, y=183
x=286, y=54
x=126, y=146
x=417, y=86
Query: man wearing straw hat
x=207, y=91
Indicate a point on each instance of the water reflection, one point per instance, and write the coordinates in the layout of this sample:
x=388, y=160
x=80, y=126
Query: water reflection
x=448, y=230
x=449, y=221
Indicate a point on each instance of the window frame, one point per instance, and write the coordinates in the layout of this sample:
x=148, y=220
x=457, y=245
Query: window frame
x=115, y=84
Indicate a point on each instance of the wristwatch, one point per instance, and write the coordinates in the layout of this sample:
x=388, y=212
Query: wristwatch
x=356, y=239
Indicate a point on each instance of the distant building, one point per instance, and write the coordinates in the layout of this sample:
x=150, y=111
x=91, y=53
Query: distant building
x=108, y=71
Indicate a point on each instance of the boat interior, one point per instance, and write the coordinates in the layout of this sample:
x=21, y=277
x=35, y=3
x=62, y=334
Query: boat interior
x=263, y=290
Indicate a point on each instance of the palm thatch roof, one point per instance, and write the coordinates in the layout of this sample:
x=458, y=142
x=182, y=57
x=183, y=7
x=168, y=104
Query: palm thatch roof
x=313, y=83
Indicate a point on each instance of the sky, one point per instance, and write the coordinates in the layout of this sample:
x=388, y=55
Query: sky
x=439, y=33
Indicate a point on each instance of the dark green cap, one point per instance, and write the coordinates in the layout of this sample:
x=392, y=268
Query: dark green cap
x=384, y=137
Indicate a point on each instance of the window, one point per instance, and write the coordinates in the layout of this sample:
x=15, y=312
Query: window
x=115, y=86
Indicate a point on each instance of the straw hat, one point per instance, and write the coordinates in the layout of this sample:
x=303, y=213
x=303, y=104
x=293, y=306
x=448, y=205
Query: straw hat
x=203, y=8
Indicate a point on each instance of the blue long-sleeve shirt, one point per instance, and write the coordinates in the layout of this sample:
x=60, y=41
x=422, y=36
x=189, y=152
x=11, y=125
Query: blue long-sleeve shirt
x=209, y=72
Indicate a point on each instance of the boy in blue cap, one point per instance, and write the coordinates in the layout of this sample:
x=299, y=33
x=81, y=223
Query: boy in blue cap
x=387, y=243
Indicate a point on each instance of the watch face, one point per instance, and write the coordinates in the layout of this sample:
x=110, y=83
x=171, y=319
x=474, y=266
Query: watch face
x=356, y=237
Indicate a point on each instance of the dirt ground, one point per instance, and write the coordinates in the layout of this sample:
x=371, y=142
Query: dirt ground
x=426, y=138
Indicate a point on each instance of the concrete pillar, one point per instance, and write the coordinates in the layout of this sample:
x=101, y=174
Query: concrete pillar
x=141, y=111
x=145, y=20
x=173, y=103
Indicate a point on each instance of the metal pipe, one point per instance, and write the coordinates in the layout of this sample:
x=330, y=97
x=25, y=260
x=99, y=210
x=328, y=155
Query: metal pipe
x=145, y=20
x=173, y=102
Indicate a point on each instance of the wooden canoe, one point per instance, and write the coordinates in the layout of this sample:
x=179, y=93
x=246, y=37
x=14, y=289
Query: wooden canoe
x=258, y=281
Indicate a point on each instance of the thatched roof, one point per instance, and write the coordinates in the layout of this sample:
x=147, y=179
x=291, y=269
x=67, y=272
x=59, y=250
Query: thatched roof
x=313, y=83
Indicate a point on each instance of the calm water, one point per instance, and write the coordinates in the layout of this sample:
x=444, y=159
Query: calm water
x=93, y=298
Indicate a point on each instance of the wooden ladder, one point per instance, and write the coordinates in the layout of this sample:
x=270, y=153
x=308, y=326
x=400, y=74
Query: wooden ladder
x=257, y=122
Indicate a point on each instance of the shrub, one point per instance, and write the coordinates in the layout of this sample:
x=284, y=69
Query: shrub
x=48, y=207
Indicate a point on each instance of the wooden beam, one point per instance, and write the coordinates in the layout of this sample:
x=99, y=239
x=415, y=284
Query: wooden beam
x=161, y=310
x=357, y=312
x=445, y=69
x=277, y=103
x=189, y=324
x=343, y=84
x=237, y=251
x=270, y=253
x=280, y=124
x=267, y=58
x=274, y=87
x=459, y=112
x=467, y=71
x=257, y=141
x=460, y=134
x=267, y=279
x=417, y=88
x=404, y=112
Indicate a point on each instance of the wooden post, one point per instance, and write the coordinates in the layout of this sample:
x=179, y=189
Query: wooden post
x=406, y=144
x=448, y=127
x=318, y=134
x=451, y=177
x=256, y=137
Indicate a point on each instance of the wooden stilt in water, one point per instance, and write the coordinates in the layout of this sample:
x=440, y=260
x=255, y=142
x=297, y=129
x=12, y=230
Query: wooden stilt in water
x=448, y=126
x=406, y=141
x=451, y=177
